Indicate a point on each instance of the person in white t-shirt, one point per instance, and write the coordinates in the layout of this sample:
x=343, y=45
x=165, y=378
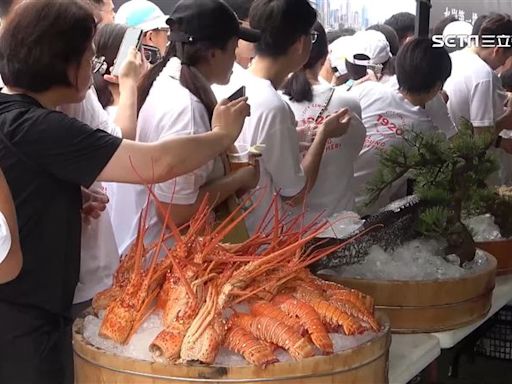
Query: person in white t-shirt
x=476, y=93
x=334, y=71
x=368, y=52
x=286, y=39
x=99, y=254
x=388, y=114
x=11, y=258
x=474, y=89
x=245, y=52
x=374, y=51
x=388, y=68
x=149, y=17
x=436, y=108
x=107, y=41
x=312, y=102
x=180, y=102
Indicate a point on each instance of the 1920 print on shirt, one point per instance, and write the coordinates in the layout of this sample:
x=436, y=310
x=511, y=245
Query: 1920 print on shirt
x=388, y=128
x=308, y=122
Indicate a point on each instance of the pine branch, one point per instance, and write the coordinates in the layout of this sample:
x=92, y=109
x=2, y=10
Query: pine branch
x=450, y=176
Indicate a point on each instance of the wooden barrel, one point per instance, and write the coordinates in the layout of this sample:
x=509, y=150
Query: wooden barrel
x=367, y=363
x=502, y=251
x=429, y=305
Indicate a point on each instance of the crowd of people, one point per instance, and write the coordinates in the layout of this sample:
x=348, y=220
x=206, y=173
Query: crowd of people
x=80, y=147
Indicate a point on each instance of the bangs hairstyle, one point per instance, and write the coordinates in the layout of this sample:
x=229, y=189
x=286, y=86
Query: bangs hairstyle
x=41, y=40
x=281, y=23
x=420, y=67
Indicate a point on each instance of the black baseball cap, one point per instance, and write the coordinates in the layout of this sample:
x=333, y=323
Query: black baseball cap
x=204, y=20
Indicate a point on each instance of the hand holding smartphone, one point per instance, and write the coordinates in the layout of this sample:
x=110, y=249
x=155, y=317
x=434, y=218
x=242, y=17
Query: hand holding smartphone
x=239, y=93
x=132, y=38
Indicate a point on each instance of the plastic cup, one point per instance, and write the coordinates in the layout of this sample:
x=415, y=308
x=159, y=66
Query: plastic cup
x=240, y=158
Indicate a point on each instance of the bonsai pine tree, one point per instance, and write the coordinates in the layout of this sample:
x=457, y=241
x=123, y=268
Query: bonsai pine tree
x=449, y=178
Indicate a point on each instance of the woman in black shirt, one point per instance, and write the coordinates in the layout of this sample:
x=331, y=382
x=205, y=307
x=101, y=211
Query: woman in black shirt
x=46, y=56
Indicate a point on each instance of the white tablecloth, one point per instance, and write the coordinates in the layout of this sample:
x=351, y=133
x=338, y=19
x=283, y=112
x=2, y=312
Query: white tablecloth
x=411, y=354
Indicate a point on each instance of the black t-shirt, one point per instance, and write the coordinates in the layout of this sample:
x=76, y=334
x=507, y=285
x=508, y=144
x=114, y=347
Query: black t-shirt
x=46, y=157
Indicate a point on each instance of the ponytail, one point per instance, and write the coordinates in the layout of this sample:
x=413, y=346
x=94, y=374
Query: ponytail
x=190, y=78
x=298, y=88
x=190, y=55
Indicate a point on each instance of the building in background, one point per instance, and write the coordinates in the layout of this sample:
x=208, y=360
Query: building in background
x=334, y=14
x=359, y=14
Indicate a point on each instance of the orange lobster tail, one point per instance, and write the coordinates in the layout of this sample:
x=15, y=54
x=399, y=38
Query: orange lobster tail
x=263, y=308
x=273, y=331
x=253, y=350
x=309, y=318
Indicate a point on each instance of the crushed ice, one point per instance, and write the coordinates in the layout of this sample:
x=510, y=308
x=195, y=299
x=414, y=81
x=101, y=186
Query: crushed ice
x=483, y=228
x=138, y=347
x=419, y=259
x=341, y=225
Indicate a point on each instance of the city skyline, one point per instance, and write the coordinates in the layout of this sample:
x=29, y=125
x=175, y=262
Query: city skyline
x=359, y=14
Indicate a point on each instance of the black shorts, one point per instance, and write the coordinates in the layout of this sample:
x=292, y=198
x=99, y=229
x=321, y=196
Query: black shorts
x=35, y=346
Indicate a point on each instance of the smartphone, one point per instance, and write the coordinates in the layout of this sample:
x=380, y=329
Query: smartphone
x=151, y=54
x=132, y=38
x=240, y=92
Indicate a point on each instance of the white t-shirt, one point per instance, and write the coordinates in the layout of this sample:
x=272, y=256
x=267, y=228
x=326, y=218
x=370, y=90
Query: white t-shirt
x=273, y=124
x=5, y=238
x=435, y=108
x=238, y=78
x=99, y=255
x=474, y=89
x=386, y=115
x=111, y=188
x=333, y=191
x=112, y=111
x=476, y=94
x=160, y=118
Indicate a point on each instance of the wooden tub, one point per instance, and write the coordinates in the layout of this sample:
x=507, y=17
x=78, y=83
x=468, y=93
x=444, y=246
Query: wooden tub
x=502, y=251
x=367, y=363
x=429, y=305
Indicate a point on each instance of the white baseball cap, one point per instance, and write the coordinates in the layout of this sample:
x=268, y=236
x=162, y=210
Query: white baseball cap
x=141, y=14
x=370, y=43
x=338, y=53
